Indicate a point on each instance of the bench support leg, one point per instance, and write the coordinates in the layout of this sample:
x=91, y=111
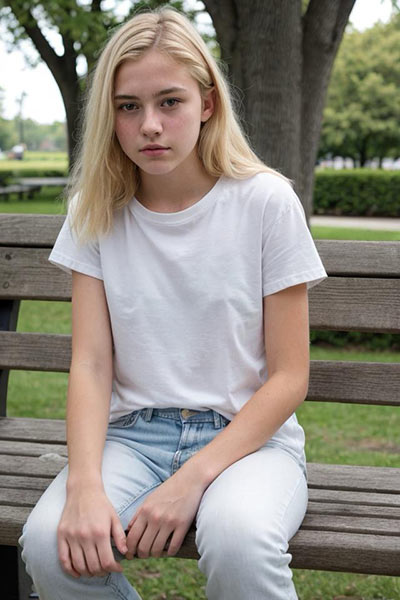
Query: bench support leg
x=15, y=584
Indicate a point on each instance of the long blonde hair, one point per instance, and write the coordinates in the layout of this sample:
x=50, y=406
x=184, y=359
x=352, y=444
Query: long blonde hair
x=104, y=178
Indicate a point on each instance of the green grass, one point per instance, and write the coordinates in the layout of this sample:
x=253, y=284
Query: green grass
x=335, y=433
x=350, y=233
x=36, y=160
x=48, y=201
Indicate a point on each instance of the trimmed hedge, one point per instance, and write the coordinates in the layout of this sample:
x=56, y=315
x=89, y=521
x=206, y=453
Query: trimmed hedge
x=7, y=176
x=357, y=192
x=356, y=339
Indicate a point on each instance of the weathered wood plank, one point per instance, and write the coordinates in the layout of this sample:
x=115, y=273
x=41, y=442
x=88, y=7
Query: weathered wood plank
x=356, y=509
x=354, y=383
x=334, y=304
x=351, y=478
x=18, y=497
x=351, y=553
x=20, y=482
x=32, y=430
x=311, y=549
x=363, y=525
x=30, y=448
x=25, y=273
x=35, y=351
x=29, y=230
x=356, y=258
x=340, y=496
x=46, y=466
x=12, y=519
x=340, y=257
x=356, y=304
x=330, y=381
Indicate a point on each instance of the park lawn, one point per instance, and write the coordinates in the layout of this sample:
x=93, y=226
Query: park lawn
x=335, y=433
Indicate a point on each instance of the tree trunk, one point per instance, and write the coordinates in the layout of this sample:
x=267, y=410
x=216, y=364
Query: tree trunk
x=63, y=69
x=282, y=62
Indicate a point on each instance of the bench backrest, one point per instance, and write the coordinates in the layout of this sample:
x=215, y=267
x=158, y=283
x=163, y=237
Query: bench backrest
x=362, y=293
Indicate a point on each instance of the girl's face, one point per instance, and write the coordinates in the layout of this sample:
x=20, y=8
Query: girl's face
x=158, y=103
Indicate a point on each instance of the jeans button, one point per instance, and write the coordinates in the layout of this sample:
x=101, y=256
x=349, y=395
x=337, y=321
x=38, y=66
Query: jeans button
x=186, y=413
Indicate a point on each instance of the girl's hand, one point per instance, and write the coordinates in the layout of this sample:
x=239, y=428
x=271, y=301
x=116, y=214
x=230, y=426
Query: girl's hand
x=84, y=534
x=167, y=511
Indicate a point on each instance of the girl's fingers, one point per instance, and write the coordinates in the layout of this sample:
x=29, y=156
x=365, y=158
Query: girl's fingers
x=160, y=541
x=134, y=536
x=92, y=560
x=65, y=558
x=107, y=558
x=78, y=559
x=118, y=535
x=177, y=540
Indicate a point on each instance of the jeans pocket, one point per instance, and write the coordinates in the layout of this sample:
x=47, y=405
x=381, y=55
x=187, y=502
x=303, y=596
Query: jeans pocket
x=128, y=420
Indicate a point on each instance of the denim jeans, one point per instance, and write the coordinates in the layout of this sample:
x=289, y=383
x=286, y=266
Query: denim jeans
x=245, y=519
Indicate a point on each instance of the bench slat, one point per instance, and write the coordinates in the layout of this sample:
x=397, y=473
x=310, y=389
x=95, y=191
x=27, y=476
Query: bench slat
x=360, y=258
x=334, y=304
x=19, y=497
x=356, y=509
x=31, y=466
x=390, y=527
x=351, y=478
x=353, y=382
x=311, y=549
x=317, y=495
x=25, y=273
x=32, y=430
x=340, y=257
x=30, y=448
x=35, y=351
x=356, y=304
x=330, y=381
x=29, y=230
x=351, y=552
x=24, y=483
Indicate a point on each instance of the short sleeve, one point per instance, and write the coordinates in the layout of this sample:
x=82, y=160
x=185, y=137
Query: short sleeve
x=69, y=254
x=289, y=255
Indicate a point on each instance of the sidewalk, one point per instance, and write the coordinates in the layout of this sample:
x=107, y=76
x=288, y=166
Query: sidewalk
x=358, y=222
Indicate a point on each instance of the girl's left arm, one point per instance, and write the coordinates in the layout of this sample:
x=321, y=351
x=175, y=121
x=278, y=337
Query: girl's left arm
x=171, y=509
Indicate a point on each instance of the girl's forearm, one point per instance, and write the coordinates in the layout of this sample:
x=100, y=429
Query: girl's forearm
x=88, y=405
x=251, y=428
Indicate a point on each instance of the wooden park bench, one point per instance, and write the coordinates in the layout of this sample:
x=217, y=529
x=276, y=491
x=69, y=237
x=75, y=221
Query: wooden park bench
x=20, y=189
x=353, y=518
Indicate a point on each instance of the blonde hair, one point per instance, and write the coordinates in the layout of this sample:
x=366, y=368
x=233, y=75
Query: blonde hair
x=104, y=178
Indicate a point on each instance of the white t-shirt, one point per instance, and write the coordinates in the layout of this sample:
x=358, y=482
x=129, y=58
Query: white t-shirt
x=185, y=294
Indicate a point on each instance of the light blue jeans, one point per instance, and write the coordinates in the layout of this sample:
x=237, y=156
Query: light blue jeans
x=245, y=519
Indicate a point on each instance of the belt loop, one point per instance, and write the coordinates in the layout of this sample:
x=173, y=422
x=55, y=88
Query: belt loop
x=148, y=414
x=217, y=420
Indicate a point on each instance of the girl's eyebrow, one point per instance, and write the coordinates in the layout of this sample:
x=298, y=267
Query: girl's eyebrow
x=156, y=95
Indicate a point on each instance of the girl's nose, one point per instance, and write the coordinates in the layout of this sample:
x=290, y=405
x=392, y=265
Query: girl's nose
x=151, y=124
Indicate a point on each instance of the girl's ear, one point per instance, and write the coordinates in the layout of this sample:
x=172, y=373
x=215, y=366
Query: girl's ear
x=208, y=103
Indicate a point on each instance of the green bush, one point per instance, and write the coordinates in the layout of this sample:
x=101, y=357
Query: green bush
x=356, y=339
x=357, y=192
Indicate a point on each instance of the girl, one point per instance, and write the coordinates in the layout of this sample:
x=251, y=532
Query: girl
x=190, y=264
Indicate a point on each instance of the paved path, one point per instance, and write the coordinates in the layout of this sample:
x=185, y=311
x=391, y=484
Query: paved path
x=358, y=222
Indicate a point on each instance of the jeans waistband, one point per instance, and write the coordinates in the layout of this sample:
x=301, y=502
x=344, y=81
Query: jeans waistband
x=184, y=414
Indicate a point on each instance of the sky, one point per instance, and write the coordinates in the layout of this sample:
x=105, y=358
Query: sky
x=43, y=102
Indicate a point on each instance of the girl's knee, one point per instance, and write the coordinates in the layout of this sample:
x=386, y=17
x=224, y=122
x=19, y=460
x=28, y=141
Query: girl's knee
x=39, y=542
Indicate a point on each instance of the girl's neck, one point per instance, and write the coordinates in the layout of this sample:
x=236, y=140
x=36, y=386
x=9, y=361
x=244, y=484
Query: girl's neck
x=172, y=193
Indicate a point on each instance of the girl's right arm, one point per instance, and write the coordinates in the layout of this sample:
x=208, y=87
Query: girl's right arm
x=89, y=520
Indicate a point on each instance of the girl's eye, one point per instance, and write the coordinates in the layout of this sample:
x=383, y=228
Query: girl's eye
x=174, y=100
x=127, y=107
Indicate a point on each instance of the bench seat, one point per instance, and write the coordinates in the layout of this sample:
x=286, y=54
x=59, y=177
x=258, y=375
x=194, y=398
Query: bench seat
x=353, y=511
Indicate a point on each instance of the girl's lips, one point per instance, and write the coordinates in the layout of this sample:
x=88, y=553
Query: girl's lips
x=154, y=151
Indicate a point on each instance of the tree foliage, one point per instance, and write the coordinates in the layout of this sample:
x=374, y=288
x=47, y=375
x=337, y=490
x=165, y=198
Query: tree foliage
x=362, y=113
